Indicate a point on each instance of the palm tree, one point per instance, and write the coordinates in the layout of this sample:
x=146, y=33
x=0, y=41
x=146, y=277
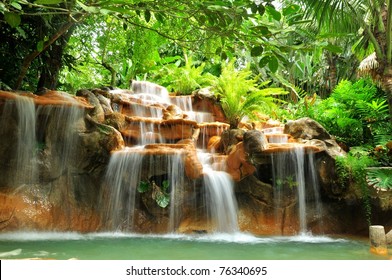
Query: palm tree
x=373, y=18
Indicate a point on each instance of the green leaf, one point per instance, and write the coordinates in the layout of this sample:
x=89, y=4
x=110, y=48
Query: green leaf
x=333, y=48
x=162, y=200
x=159, y=17
x=380, y=177
x=254, y=8
x=21, y=32
x=165, y=186
x=274, y=13
x=261, y=29
x=12, y=19
x=40, y=46
x=89, y=9
x=290, y=10
x=261, y=9
x=48, y=2
x=16, y=5
x=143, y=186
x=217, y=8
x=256, y=51
x=105, y=11
x=273, y=64
x=147, y=15
x=264, y=61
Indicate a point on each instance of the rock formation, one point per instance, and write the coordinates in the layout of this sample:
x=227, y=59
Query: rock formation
x=57, y=151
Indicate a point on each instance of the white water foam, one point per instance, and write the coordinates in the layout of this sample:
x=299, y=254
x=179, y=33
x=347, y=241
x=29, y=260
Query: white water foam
x=15, y=252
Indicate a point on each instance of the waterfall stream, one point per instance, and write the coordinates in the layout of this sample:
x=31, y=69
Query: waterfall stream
x=222, y=204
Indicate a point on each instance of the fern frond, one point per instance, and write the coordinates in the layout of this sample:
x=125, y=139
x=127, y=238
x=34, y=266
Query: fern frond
x=379, y=177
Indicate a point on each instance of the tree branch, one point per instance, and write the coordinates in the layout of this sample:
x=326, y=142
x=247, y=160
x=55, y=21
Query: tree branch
x=389, y=32
x=29, y=59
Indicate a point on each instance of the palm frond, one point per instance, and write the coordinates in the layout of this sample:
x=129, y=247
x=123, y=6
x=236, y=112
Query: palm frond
x=335, y=15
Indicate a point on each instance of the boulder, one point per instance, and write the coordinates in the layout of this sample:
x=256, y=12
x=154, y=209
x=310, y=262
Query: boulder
x=306, y=128
x=237, y=164
x=230, y=138
x=214, y=144
x=255, y=143
x=97, y=113
x=204, y=100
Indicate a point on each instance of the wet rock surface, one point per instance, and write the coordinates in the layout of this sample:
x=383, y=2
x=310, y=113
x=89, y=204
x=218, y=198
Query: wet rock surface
x=76, y=137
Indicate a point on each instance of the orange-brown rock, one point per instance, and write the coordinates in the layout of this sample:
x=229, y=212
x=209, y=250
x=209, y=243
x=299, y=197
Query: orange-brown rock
x=193, y=167
x=173, y=112
x=198, y=225
x=51, y=98
x=271, y=123
x=23, y=211
x=287, y=147
x=237, y=165
x=136, y=109
x=214, y=144
x=174, y=129
x=213, y=128
x=209, y=130
x=204, y=101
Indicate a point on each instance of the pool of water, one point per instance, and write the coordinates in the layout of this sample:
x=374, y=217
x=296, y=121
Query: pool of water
x=120, y=246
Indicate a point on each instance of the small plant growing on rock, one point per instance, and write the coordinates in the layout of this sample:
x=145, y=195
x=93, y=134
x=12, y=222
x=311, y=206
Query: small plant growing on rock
x=159, y=193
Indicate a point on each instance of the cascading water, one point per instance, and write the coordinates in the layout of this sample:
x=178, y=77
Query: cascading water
x=58, y=134
x=23, y=168
x=126, y=170
x=222, y=205
x=27, y=144
x=185, y=103
x=294, y=176
x=149, y=91
x=122, y=178
x=176, y=183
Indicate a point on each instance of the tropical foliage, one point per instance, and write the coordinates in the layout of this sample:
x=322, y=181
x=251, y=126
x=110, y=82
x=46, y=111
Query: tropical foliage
x=372, y=19
x=183, y=79
x=240, y=95
x=355, y=113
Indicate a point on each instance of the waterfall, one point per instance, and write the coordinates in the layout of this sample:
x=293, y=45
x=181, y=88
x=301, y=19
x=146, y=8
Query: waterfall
x=150, y=91
x=300, y=177
x=122, y=179
x=222, y=204
x=22, y=151
x=124, y=175
x=294, y=176
x=176, y=184
x=26, y=149
x=57, y=134
x=185, y=103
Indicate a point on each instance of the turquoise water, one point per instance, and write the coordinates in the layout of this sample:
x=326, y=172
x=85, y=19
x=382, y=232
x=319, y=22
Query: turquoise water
x=119, y=246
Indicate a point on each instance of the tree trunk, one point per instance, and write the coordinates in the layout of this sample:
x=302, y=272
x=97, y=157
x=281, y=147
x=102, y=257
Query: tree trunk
x=52, y=62
x=30, y=57
x=113, y=73
x=332, y=77
x=387, y=85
